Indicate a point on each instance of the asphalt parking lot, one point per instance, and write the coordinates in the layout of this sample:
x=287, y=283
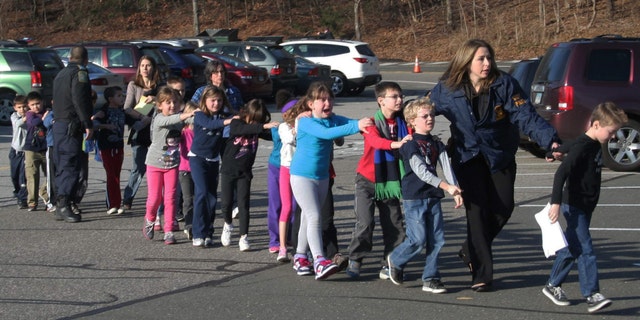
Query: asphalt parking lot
x=103, y=268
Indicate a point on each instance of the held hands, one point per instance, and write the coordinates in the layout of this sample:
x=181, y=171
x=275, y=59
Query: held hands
x=554, y=212
x=398, y=144
x=270, y=125
x=554, y=154
x=364, y=123
x=453, y=190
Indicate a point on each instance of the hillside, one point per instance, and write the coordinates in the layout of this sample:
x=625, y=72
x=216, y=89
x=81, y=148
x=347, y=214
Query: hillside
x=396, y=30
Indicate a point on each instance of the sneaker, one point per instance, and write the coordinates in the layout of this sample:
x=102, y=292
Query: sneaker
x=112, y=211
x=198, y=242
x=384, y=273
x=597, y=301
x=180, y=216
x=51, y=207
x=126, y=206
x=175, y=226
x=157, y=226
x=353, y=269
x=244, y=243
x=225, y=238
x=169, y=238
x=234, y=213
x=208, y=242
x=325, y=269
x=189, y=233
x=283, y=255
x=23, y=205
x=274, y=249
x=120, y=210
x=302, y=266
x=147, y=230
x=434, y=286
x=395, y=274
x=75, y=209
x=556, y=295
x=32, y=208
x=340, y=261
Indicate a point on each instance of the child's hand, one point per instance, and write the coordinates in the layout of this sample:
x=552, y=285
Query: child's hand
x=458, y=201
x=364, y=123
x=554, y=212
x=306, y=114
x=270, y=125
x=398, y=144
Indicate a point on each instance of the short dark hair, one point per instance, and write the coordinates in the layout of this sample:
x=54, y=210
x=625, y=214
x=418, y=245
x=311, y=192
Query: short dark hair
x=382, y=87
x=20, y=99
x=34, y=95
x=110, y=92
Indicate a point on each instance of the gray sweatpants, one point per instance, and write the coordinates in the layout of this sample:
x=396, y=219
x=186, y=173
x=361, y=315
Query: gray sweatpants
x=310, y=195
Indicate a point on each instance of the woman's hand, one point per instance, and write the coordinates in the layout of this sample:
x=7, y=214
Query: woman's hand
x=554, y=212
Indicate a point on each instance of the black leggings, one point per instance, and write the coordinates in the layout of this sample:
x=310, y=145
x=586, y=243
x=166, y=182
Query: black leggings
x=488, y=201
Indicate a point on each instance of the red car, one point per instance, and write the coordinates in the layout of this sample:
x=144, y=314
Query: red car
x=252, y=81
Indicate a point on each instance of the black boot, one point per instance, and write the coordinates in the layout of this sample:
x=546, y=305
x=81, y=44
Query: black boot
x=64, y=212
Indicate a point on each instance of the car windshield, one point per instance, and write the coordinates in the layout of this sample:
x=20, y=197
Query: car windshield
x=553, y=65
x=364, y=50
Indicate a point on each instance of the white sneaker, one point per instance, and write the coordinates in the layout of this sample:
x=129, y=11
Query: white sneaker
x=120, y=210
x=234, y=213
x=225, y=238
x=244, y=243
x=198, y=242
x=112, y=211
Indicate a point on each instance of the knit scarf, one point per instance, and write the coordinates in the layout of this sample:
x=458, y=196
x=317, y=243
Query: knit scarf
x=388, y=165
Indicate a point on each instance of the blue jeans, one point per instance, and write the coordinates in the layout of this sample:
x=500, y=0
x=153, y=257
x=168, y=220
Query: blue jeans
x=139, y=154
x=425, y=228
x=580, y=248
x=205, y=187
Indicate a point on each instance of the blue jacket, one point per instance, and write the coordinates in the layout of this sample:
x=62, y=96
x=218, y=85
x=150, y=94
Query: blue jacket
x=496, y=134
x=207, y=135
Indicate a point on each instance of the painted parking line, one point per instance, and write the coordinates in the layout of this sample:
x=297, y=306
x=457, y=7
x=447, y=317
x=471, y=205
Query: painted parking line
x=616, y=205
x=602, y=188
x=615, y=229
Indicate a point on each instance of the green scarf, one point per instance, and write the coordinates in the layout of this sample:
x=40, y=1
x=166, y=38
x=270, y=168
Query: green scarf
x=387, y=163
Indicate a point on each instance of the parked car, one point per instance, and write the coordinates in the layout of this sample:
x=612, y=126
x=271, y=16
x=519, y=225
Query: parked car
x=26, y=69
x=252, y=81
x=186, y=64
x=197, y=41
x=101, y=78
x=309, y=71
x=353, y=64
x=523, y=71
x=280, y=64
x=575, y=76
x=119, y=57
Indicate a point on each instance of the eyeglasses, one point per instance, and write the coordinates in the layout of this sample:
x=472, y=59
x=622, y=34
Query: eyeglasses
x=395, y=97
x=426, y=116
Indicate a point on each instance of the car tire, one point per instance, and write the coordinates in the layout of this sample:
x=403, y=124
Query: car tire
x=339, y=86
x=6, y=107
x=354, y=91
x=622, y=152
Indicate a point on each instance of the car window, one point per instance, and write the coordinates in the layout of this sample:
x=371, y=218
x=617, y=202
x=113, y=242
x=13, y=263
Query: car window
x=279, y=52
x=364, y=50
x=155, y=54
x=46, y=60
x=609, y=65
x=255, y=54
x=192, y=58
x=167, y=58
x=95, y=55
x=18, y=61
x=231, y=51
x=331, y=50
x=120, y=57
x=553, y=65
x=63, y=52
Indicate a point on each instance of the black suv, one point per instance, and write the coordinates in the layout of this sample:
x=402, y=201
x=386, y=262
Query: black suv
x=575, y=76
x=26, y=69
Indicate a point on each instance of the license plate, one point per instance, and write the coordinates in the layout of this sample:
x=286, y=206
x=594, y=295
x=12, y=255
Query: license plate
x=260, y=78
x=538, y=98
x=289, y=70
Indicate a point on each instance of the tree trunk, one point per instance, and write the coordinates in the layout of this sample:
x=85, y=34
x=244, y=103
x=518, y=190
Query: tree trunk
x=449, y=14
x=356, y=18
x=610, y=8
x=196, y=22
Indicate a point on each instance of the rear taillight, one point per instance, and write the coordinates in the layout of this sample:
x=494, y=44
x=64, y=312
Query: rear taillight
x=99, y=82
x=186, y=73
x=36, y=79
x=361, y=60
x=565, y=98
x=313, y=72
x=276, y=71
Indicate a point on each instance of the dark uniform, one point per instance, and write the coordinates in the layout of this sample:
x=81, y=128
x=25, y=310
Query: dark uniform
x=72, y=106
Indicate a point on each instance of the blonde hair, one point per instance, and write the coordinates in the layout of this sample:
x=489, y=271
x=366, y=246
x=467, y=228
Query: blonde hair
x=608, y=114
x=412, y=108
x=290, y=115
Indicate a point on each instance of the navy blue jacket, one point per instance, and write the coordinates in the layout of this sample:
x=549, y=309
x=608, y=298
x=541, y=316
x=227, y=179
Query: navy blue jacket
x=496, y=134
x=207, y=135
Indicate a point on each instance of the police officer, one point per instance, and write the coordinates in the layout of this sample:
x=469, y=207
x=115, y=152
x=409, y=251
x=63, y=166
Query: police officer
x=72, y=108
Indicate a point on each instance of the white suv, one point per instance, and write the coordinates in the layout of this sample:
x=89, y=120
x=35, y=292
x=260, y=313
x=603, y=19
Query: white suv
x=353, y=64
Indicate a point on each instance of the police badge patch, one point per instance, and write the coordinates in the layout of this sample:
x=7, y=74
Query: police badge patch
x=517, y=100
x=83, y=76
x=499, y=111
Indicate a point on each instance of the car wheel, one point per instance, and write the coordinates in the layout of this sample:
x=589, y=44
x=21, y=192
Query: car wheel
x=6, y=108
x=355, y=90
x=339, y=86
x=622, y=153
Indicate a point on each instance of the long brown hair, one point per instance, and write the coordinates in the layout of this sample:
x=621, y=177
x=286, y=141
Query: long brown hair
x=255, y=111
x=457, y=72
x=154, y=77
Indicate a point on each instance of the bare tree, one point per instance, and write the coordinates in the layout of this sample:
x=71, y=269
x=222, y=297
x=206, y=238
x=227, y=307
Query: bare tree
x=356, y=18
x=449, y=14
x=610, y=8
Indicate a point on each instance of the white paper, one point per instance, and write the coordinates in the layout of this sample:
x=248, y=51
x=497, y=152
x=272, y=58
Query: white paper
x=552, y=236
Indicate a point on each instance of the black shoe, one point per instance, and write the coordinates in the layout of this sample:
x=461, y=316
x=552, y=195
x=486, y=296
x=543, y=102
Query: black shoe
x=23, y=205
x=65, y=213
x=75, y=209
x=481, y=287
x=395, y=275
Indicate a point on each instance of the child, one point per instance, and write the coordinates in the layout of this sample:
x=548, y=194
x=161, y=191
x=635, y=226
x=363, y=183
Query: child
x=284, y=99
x=254, y=121
x=16, y=154
x=310, y=173
x=287, y=134
x=162, y=162
x=184, y=171
x=377, y=182
x=576, y=188
x=35, y=148
x=204, y=160
x=421, y=193
x=110, y=139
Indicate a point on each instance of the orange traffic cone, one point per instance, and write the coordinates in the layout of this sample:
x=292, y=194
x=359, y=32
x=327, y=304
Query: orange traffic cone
x=416, y=66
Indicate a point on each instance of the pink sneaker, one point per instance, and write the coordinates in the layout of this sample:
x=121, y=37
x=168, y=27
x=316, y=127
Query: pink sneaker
x=325, y=268
x=274, y=249
x=302, y=267
x=283, y=255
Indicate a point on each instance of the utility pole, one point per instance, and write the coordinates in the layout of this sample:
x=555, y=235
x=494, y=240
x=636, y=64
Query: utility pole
x=196, y=24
